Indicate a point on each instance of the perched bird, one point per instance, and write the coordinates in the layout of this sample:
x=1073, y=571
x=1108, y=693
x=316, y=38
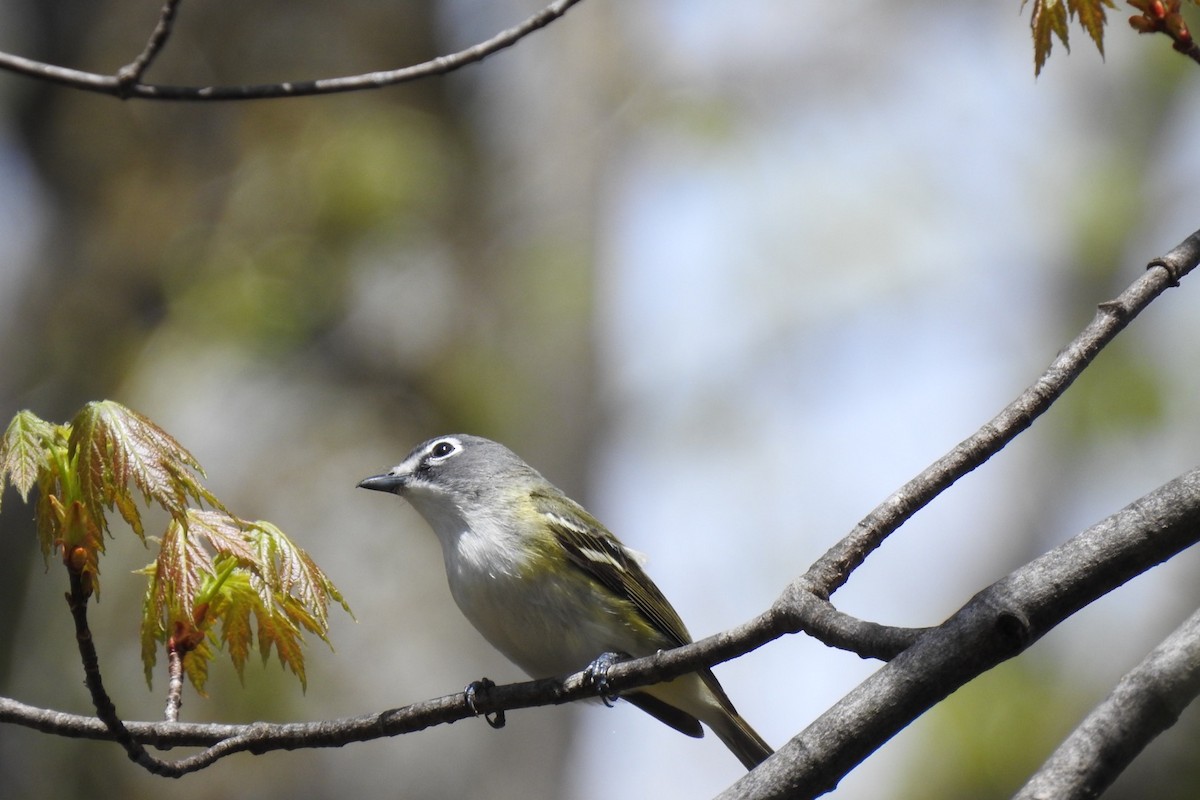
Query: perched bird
x=547, y=584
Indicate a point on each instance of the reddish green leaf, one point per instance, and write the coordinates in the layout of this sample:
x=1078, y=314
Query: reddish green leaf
x=223, y=532
x=258, y=585
x=180, y=570
x=115, y=449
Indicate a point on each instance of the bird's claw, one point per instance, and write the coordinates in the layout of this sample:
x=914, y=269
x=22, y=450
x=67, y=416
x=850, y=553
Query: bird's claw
x=479, y=688
x=596, y=674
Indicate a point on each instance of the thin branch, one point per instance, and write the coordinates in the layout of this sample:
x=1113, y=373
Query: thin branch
x=174, y=682
x=820, y=620
x=106, y=711
x=114, y=85
x=1146, y=702
x=997, y=624
x=131, y=74
x=833, y=569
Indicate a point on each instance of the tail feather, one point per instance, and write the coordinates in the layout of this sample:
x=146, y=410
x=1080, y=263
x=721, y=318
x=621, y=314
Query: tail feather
x=742, y=740
x=687, y=701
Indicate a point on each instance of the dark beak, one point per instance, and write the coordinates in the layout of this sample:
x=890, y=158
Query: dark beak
x=383, y=483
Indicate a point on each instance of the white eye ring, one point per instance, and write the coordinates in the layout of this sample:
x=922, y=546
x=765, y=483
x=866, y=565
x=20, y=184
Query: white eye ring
x=444, y=448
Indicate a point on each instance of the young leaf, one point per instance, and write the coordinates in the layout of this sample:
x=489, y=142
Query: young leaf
x=238, y=601
x=1049, y=20
x=179, y=573
x=152, y=621
x=290, y=572
x=195, y=666
x=224, y=533
x=1093, y=19
x=115, y=449
x=256, y=574
x=24, y=452
x=278, y=630
x=47, y=524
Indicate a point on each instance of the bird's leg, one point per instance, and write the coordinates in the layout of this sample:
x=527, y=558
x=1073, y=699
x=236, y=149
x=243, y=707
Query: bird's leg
x=480, y=688
x=596, y=674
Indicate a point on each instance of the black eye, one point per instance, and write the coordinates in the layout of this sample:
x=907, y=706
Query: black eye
x=443, y=449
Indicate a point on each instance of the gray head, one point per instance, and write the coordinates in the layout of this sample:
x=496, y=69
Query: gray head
x=457, y=466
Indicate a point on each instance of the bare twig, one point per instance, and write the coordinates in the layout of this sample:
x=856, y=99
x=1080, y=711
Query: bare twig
x=119, y=87
x=833, y=569
x=1145, y=702
x=174, y=682
x=106, y=711
x=131, y=74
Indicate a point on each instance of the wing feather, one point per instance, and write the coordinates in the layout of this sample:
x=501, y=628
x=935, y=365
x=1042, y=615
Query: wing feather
x=593, y=549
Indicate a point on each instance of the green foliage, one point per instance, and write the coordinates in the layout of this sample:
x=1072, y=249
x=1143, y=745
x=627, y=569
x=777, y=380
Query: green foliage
x=1091, y=410
x=213, y=570
x=983, y=741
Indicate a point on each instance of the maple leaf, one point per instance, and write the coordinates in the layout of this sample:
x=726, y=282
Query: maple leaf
x=1050, y=18
x=182, y=565
x=212, y=569
x=254, y=580
x=24, y=452
x=300, y=594
x=280, y=631
x=291, y=573
x=153, y=632
x=225, y=533
x=237, y=606
x=115, y=449
x=1092, y=18
x=195, y=666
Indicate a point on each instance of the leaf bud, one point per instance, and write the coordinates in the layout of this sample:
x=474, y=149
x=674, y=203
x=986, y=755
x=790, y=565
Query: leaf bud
x=1143, y=24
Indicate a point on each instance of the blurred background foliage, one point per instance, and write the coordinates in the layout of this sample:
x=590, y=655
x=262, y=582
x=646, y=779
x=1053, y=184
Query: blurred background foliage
x=729, y=273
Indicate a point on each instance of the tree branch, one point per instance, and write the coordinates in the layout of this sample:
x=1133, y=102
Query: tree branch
x=130, y=75
x=833, y=569
x=106, y=711
x=995, y=625
x=121, y=86
x=174, y=682
x=1145, y=702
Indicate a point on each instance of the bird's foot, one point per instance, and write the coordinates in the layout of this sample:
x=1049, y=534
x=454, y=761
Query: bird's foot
x=596, y=674
x=479, y=690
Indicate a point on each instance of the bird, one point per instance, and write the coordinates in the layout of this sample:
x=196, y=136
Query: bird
x=548, y=585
